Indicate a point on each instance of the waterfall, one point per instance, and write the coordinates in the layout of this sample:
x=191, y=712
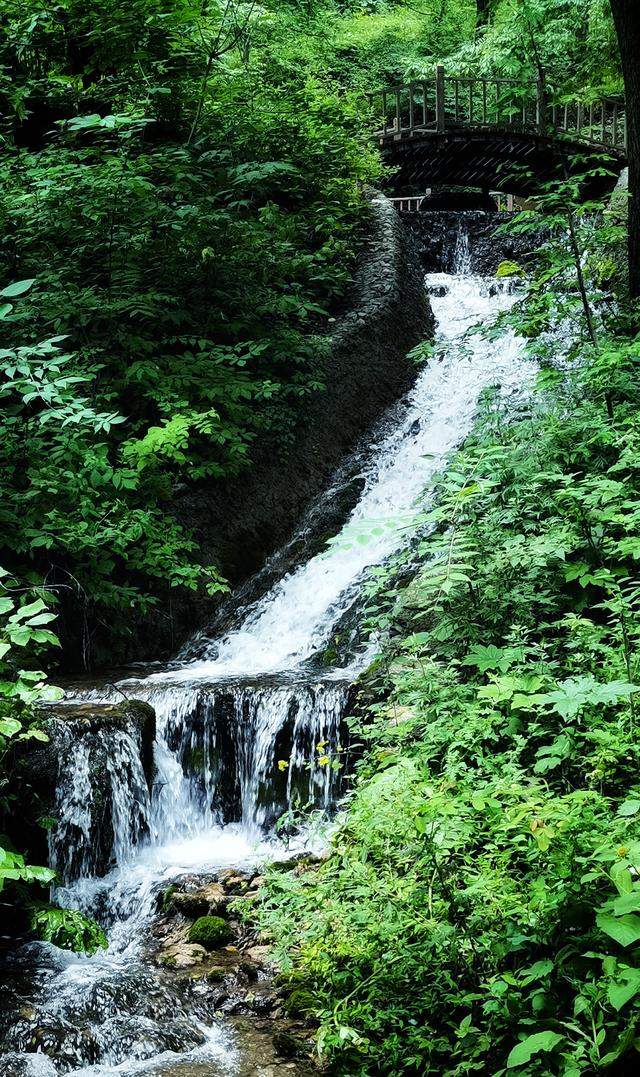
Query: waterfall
x=244, y=753
x=102, y=801
x=249, y=725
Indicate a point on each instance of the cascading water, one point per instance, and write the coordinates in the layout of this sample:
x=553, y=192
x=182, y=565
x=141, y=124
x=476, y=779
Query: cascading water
x=247, y=728
x=76, y=844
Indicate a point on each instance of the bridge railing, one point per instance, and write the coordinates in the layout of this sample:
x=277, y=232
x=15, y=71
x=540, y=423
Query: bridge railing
x=413, y=203
x=444, y=102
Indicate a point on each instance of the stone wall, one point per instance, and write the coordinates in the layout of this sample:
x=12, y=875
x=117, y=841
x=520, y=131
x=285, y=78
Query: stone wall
x=436, y=232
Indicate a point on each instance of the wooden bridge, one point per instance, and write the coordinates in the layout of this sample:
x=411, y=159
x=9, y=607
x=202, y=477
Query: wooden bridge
x=492, y=133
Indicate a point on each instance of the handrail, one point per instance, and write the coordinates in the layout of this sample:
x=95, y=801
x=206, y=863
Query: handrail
x=441, y=102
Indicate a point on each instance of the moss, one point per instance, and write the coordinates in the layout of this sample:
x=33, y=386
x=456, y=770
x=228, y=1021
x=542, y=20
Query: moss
x=210, y=931
x=300, y=1002
x=216, y=974
x=194, y=760
x=167, y=895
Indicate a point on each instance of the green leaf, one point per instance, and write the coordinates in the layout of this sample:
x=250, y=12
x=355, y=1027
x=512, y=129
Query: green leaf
x=9, y=726
x=18, y=288
x=622, y=991
x=533, y=1045
x=623, y=929
x=629, y=807
x=627, y=903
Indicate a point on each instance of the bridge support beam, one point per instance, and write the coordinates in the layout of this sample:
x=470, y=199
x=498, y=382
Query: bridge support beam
x=440, y=104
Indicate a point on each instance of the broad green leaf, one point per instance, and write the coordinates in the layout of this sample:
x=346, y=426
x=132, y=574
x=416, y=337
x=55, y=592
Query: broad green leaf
x=625, y=989
x=623, y=929
x=627, y=903
x=18, y=288
x=533, y=1045
x=9, y=727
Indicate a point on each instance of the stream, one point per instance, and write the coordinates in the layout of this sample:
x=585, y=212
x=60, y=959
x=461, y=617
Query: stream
x=248, y=725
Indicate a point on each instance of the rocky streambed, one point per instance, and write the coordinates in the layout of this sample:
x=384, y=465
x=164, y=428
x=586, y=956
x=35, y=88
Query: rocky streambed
x=199, y=966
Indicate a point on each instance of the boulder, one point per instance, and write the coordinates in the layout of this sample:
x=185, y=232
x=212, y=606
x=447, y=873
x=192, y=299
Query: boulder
x=210, y=932
x=210, y=900
x=183, y=955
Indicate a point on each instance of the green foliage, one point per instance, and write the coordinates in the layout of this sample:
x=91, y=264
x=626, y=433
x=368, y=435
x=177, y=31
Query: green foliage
x=480, y=910
x=572, y=42
x=180, y=206
x=68, y=929
x=24, y=615
x=14, y=870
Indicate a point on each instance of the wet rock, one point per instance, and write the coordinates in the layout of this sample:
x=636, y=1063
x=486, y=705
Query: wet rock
x=289, y=1046
x=210, y=932
x=235, y=882
x=210, y=900
x=249, y=970
x=183, y=955
x=259, y=955
x=436, y=233
x=27, y=1065
x=41, y=769
x=216, y=973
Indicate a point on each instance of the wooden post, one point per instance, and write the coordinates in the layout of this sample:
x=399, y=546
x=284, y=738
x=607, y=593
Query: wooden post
x=411, y=116
x=541, y=106
x=440, y=119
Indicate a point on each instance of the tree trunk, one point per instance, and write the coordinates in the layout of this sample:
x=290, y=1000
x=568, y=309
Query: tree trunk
x=626, y=15
x=483, y=8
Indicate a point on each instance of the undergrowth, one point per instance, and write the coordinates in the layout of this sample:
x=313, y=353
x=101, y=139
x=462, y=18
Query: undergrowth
x=480, y=908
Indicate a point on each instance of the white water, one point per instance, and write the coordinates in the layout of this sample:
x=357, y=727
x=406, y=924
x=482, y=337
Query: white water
x=295, y=619
x=216, y=708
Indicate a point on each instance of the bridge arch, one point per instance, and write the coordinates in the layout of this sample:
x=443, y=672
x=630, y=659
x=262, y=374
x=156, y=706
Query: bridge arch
x=492, y=134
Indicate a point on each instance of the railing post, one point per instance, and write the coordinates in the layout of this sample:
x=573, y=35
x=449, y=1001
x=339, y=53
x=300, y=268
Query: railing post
x=541, y=106
x=440, y=97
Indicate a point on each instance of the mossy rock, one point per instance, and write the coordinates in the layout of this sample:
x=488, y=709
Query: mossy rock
x=300, y=1002
x=166, y=897
x=210, y=931
x=216, y=974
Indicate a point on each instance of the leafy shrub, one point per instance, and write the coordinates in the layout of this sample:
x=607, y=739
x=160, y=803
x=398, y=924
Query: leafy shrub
x=68, y=929
x=480, y=909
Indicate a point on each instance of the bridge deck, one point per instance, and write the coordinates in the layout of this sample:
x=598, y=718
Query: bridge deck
x=444, y=103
